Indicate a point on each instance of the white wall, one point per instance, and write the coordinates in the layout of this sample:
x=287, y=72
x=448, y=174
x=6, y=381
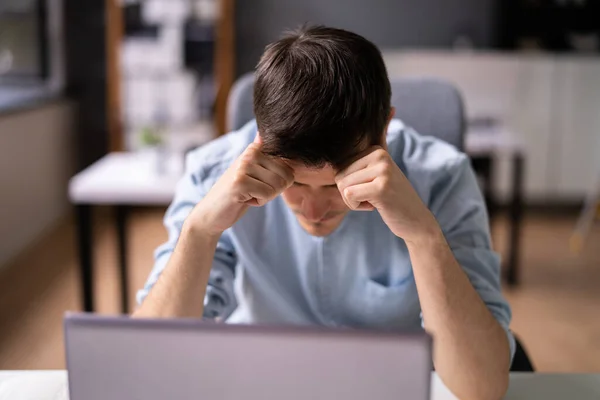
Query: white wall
x=549, y=103
x=387, y=23
x=36, y=161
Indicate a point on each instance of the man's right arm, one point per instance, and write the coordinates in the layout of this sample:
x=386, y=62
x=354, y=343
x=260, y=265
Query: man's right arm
x=181, y=287
x=252, y=180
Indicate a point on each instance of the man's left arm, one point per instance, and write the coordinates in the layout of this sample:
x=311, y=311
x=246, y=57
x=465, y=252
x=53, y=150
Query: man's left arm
x=472, y=349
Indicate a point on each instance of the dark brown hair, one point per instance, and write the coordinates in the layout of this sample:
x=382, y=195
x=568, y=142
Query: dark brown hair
x=320, y=94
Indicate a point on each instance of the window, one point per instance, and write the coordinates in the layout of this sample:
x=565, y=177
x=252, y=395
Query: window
x=23, y=41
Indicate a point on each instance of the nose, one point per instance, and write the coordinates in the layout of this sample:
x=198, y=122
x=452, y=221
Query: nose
x=314, y=210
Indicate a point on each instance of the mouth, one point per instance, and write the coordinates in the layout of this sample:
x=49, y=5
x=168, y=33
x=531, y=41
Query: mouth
x=327, y=218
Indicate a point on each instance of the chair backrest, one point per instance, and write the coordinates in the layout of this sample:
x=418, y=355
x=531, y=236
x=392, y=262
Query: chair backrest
x=240, y=107
x=432, y=107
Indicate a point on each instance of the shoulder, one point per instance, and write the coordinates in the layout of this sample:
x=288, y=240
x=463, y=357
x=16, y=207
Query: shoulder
x=415, y=151
x=426, y=161
x=208, y=162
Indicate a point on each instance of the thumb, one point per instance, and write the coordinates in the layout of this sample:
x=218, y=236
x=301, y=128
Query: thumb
x=353, y=205
x=258, y=139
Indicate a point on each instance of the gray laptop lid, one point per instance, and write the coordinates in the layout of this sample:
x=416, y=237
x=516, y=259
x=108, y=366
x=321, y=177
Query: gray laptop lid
x=123, y=358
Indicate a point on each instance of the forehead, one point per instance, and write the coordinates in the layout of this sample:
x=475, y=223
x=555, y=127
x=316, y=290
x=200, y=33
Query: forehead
x=313, y=176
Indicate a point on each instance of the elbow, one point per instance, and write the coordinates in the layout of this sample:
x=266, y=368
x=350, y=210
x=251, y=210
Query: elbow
x=491, y=391
x=487, y=386
x=499, y=389
x=497, y=384
x=496, y=388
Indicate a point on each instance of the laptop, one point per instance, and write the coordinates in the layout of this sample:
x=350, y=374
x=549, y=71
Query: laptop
x=125, y=358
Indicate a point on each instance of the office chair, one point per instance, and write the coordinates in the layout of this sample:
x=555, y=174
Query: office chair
x=432, y=107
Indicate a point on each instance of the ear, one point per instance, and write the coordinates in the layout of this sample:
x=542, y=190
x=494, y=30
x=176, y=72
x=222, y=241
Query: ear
x=392, y=114
x=258, y=139
x=384, y=133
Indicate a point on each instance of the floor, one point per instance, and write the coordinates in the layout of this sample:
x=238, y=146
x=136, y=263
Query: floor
x=556, y=309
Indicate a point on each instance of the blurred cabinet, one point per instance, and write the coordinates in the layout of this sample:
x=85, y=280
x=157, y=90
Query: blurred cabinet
x=176, y=67
x=577, y=133
x=551, y=103
x=530, y=119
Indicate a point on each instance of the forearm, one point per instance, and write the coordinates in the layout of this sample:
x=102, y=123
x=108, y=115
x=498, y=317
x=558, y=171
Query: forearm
x=471, y=352
x=180, y=290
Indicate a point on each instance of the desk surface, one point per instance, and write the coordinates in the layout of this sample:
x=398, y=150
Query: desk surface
x=124, y=178
x=52, y=385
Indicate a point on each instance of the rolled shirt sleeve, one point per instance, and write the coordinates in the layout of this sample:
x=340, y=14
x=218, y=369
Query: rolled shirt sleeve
x=199, y=176
x=459, y=207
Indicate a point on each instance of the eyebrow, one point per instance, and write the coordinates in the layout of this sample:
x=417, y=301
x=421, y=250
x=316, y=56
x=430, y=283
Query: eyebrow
x=304, y=184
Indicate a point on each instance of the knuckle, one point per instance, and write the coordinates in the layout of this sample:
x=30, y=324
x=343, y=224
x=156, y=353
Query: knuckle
x=241, y=169
x=278, y=183
x=271, y=193
x=283, y=182
x=251, y=153
x=288, y=173
x=253, y=147
x=381, y=154
x=290, y=177
x=247, y=157
x=348, y=193
x=239, y=182
x=385, y=168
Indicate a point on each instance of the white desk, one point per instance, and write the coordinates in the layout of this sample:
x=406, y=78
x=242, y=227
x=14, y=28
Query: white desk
x=130, y=179
x=120, y=180
x=52, y=385
x=496, y=140
x=124, y=178
x=484, y=145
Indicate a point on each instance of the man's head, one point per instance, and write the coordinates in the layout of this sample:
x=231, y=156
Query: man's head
x=321, y=97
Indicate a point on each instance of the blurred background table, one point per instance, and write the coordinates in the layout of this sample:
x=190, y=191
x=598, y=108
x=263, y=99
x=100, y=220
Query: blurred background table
x=119, y=180
x=486, y=146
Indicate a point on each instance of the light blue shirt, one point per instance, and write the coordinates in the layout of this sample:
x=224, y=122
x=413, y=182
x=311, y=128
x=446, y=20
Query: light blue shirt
x=267, y=269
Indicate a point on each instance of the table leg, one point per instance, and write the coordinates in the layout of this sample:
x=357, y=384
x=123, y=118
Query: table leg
x=516, y=219
x=121, y=216
x=483, y=166
x=84, y=238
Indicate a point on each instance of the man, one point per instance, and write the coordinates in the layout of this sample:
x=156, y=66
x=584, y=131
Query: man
x=326, y=210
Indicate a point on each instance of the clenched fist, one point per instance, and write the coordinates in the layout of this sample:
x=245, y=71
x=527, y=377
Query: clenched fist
x=253, y=179
x=374, y=181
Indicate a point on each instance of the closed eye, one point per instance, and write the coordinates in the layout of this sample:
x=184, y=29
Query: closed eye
x=332, y=186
